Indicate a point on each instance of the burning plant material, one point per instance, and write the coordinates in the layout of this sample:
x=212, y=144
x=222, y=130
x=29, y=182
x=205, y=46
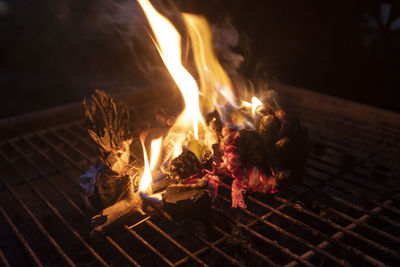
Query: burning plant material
x=108, y=122
x=218, y=135
x=110, y=186
x=262, y=159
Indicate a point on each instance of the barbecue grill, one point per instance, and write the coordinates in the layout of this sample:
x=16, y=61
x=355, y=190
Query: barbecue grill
x=345, y=212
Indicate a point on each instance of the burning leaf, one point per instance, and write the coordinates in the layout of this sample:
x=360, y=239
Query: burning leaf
x=108, y=122
x=108, y=127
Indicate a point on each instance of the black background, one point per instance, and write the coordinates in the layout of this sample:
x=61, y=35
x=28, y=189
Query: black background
x=319, y=45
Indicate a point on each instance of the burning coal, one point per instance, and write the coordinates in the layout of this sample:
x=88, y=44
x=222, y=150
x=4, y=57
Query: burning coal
x=219, y=134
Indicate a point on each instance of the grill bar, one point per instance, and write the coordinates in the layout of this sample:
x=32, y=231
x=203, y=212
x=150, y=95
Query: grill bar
x=329, y=159
x=360, y=196
x=155, y=251
x=73, y=204
x=41, y=174
x=112, y=242
x=267, y=240
x=345, y=230
x=38, y=224
x=58, y=214
x=356, y=207
x=152, y=225
x=333, y=239
x=4, y=259
x=21, y=239
x=352, y=173
x=361, y=209
x=147, y=221
x=340, y=235
x=361, y=224
x=201, y=251
x=202, y=239
x=246, y=246
x=123, y=252
x=286, y=233
x=191, y=255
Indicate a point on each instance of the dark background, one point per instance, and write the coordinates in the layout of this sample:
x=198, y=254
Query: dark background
x=50, y=55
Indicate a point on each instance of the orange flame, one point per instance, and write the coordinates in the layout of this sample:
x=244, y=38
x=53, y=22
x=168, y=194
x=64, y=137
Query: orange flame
x=255, y=103
x=216, y=87
x=147, y=178
x=168, y=42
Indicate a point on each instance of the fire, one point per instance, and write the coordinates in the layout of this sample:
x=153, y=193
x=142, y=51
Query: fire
x=147, y=178
x=168, y=42
x=255, y=103
x=215, y=91
x=216, y=87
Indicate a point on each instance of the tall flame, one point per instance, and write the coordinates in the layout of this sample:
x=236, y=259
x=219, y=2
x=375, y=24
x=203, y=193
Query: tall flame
x=168, y=42
x=215, y=89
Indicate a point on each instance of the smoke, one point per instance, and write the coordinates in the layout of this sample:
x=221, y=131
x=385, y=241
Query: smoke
x=115, y=34
x=122, y=24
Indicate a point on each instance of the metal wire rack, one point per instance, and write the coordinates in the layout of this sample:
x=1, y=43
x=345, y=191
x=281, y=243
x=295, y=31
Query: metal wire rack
x=345, y=212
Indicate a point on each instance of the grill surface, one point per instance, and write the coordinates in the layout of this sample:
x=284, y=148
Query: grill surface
x=345, y=212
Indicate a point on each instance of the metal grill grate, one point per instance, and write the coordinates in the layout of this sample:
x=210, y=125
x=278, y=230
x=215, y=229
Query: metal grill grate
x=345, y=212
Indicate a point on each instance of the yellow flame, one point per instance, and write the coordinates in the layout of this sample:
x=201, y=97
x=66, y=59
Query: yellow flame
x=255, y=103
x=168, y=42
x=147, y=178
x=246, y=104
x=155, y=152
x=178, y=151
x=216, y=87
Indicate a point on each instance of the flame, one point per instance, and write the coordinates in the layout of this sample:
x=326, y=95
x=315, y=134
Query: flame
x=168, y=43
x=215, y=90
x=178, y=151
x=246, y=104
x=216, y=87
x=155, y=152
x=147, y=178
x=255, y=103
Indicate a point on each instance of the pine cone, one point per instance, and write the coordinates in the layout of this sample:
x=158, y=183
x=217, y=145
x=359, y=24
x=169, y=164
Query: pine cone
x=184, y=166
x=286, y=140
